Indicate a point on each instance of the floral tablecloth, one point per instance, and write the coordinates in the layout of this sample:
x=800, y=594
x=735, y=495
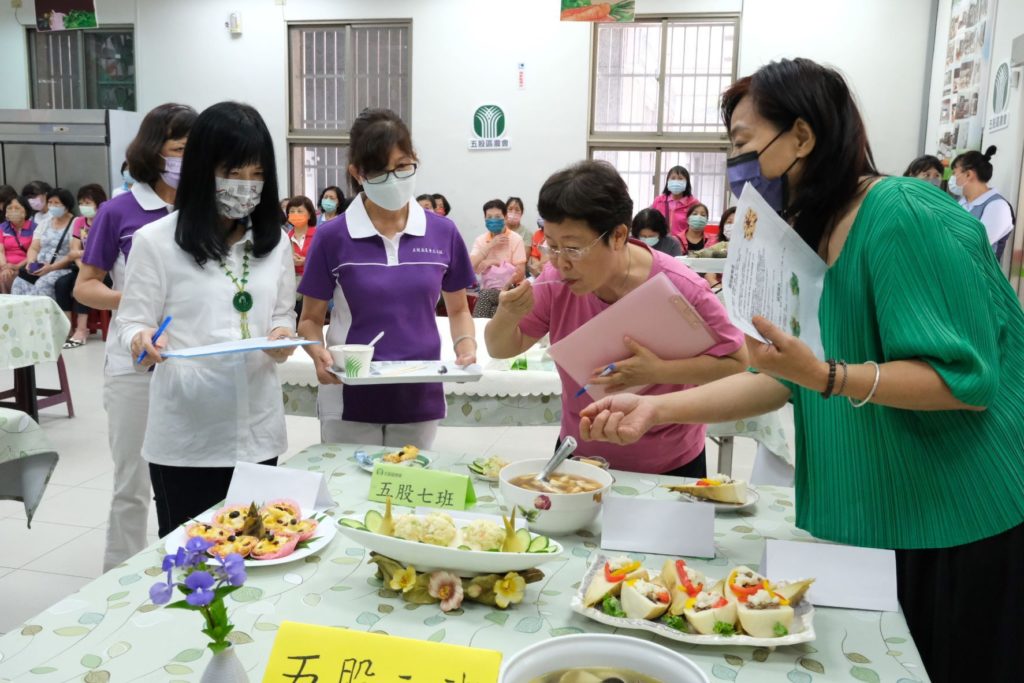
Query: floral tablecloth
x=109, y=631
x=32, y=330
x=27, y=460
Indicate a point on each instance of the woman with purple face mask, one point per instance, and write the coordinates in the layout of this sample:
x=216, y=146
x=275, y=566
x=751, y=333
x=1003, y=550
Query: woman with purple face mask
x=925, y=338
x=151, y=162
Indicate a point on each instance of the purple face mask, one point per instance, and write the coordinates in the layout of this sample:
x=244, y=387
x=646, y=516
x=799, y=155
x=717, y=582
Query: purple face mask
x=746, y=168
x=172, y=171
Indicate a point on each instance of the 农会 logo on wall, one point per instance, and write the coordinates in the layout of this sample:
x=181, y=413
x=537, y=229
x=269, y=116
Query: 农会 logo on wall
x=489, y=128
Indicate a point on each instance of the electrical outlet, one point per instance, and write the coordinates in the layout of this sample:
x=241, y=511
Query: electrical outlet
x=16, y=4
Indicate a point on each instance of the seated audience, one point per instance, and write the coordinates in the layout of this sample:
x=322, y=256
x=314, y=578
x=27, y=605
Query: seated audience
x=651, y=228
x=17, y=231
x=969, y=182
x=90, y=197
x=498, y=257
x=50, y=256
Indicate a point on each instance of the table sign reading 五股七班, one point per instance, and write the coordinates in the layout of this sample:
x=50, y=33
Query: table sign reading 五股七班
x=415, y=487
x=304, y=653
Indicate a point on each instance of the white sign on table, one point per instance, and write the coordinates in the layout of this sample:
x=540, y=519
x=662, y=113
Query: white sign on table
x=264, y=483
x=662, y=527
x=771, y=272
x=844, y=575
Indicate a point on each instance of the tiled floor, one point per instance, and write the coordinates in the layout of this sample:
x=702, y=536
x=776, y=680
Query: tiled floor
x=64, y=548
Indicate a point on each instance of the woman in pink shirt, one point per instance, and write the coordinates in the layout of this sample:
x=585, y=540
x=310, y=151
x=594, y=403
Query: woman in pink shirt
x=676, y=200
x=587, y=213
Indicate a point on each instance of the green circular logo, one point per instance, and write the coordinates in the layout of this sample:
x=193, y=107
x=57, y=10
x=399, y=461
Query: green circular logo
x=489, y=121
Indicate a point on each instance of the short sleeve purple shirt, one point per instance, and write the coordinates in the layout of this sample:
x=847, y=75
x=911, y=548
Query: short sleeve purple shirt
x=380, y=284
x=110, y=239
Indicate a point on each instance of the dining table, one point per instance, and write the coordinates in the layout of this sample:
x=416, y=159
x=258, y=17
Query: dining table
x=32, y=331
x=111, y=631
x=27, y=460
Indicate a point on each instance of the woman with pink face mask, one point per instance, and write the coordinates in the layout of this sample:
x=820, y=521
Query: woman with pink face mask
x=36, y=192
x=514, y=217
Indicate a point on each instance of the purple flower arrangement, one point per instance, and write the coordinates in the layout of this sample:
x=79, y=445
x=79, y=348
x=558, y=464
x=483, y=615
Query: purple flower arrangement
x=204, y=581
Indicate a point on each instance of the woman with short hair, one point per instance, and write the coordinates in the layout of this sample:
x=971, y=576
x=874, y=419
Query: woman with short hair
x=50, y=257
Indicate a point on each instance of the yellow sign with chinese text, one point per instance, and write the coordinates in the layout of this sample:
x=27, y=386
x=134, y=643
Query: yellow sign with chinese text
x=416, y=487
x=304, y=653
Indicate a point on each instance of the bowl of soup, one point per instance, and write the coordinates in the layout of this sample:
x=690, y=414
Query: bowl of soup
x=599, y=657
x=568, y=502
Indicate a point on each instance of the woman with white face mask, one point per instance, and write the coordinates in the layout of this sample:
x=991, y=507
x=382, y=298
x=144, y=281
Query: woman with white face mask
x=969, y=183
x=651, y=228
x=385, y=262
x=221, y=267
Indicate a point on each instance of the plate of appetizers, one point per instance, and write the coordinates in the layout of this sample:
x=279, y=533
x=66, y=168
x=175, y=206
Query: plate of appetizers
x=465, y=543
x=487, y=469
x=724, y=492
x=412, y=372
x=277, y=532
x=680, y=603
x=407, y=456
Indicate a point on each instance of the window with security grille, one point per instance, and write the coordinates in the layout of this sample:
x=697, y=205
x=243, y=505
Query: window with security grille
x=336, y=71
x=87, y=69
x=655, y=91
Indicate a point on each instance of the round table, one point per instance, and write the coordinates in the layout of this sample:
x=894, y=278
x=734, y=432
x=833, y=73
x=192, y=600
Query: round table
x=110, y=631
x=32, y=331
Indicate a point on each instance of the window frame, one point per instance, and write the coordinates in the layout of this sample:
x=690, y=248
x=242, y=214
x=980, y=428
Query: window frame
x=660, y=141
x=81, y=88
x=299, y=137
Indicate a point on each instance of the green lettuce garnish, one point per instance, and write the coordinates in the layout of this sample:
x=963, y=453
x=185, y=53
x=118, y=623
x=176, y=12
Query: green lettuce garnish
x=676, y=622
x=724, y=628
x=779, y=629
x=612, y=607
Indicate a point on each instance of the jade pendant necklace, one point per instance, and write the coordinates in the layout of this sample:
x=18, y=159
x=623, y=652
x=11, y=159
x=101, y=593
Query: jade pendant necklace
x=242, y=300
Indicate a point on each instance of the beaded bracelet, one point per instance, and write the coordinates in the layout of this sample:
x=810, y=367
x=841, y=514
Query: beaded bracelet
x=831, y=379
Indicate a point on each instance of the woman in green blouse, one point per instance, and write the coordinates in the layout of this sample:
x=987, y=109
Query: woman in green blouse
x=923, y=330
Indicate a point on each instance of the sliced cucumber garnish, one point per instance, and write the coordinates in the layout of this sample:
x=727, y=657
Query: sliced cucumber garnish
x=353, y=524
x=373, y=520
x=539, y=544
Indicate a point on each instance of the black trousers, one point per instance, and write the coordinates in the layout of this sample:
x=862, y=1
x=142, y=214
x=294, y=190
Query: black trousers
x=183, y=493
x=963, y=605
x=63, y=290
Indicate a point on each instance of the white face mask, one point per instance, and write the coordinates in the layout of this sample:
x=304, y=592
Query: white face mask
x=237, y=198
x=955, y=189
x=650, y=241
x=393, y=193
x=727, y=230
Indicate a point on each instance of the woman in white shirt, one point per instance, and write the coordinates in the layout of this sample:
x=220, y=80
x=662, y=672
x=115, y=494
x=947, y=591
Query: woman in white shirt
x=971, y=173
x=222, y=268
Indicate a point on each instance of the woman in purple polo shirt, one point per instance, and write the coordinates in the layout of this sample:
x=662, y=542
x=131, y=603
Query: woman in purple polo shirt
x=587, y=213
x=385, y=262
x=154, y=160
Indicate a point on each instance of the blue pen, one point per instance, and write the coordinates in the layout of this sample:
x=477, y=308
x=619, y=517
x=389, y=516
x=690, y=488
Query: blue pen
x=604, y=373
x=159, y=331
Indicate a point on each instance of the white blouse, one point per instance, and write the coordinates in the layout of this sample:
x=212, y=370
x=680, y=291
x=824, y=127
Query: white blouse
x=219, y=410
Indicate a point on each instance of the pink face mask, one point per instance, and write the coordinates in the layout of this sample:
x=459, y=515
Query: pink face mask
x=514, y=216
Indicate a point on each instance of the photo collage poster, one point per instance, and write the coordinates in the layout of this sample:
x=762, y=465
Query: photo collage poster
x=965, y=76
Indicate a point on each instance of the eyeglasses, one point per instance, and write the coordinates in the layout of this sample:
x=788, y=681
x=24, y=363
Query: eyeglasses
x=570, y=253
x=400, y=172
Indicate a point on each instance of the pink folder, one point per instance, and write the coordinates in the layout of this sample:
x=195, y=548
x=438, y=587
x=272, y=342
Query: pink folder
x=655, y=314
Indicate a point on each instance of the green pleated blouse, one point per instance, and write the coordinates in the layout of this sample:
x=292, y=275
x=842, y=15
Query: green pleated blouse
x=917, y=280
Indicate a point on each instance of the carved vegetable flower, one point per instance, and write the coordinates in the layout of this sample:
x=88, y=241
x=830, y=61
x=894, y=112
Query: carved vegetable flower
x=447, y=588
x=404, y=580
x=509, y=590
x=542, y=502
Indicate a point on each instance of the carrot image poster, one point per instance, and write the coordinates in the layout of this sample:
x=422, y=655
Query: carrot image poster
x=65, y=15
x=590, y=10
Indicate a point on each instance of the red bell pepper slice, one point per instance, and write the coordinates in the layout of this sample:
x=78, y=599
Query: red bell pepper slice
x=684, y=580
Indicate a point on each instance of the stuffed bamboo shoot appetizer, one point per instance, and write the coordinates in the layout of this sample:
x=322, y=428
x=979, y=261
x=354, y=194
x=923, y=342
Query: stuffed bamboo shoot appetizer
x=683, y=581
x=642, y=599
x=609, y=582
x=794, y=591
x=719, y=488
x=765, y=614
x=710, y=613
x=743, y=582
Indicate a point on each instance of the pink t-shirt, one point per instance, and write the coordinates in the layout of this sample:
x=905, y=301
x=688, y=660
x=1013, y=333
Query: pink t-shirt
x=559, y=312
x=513, y=252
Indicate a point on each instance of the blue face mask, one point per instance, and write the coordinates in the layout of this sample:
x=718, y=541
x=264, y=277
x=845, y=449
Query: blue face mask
x=494, y=225
x=697, y=222
x=328, y=205
x=745, y=168
x=677, y=186
x=650, y=241
x=57, y=211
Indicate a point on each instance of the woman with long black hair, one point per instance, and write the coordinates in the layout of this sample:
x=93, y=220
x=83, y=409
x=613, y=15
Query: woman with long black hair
x=222, y=268
x=925, y=337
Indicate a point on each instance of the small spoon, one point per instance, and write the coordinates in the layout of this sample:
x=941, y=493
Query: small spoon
x=564, y=451
x=376, y=339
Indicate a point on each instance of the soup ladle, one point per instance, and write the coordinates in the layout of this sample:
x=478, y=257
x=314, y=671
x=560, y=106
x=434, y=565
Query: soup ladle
x=565, y=449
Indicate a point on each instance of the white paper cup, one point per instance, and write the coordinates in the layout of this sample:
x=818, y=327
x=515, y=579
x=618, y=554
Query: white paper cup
x=354, y=359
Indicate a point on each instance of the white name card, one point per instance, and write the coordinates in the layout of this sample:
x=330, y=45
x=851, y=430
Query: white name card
x=661, y=527
x=262, y=483
x=844, y=575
